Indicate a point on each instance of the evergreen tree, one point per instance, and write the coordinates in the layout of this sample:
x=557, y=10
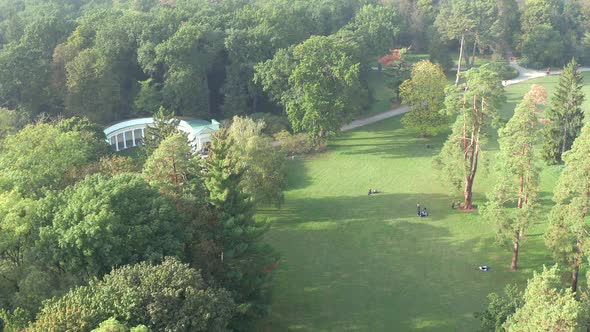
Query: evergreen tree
x=519, y=176
x=476, y=109
x=565, y=115
x=247, y=262
x=165, y=125
x=548, y=307
x=567, y=235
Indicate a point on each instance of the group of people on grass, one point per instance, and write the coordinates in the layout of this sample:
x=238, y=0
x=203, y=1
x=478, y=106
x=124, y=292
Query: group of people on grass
x=421, y=213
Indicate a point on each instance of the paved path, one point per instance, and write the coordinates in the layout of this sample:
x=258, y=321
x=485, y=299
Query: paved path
x=523, y=75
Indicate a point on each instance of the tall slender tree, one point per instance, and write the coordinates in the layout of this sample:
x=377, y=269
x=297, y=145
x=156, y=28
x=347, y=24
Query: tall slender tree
x=567, y=235
x=476, y=108
x=565, y=115
x=519, y=175
x=244, y=257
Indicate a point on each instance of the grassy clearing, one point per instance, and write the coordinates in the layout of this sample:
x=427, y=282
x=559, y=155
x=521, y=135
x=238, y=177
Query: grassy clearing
x=356, y=262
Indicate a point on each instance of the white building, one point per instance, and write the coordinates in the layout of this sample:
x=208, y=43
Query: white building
x=129, y=133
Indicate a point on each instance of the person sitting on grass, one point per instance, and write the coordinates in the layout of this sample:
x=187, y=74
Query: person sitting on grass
x=370, y=191
x=484, y=268
x=424, y=213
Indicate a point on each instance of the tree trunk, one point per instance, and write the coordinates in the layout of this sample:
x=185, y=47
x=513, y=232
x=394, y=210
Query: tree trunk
x=576, y=269
x=521, y=192
x=460, y=58
x=255, y=103
x=473, y=53
x=468, y=193
x=514, y=265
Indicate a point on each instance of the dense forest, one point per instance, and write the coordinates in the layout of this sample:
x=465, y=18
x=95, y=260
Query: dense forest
x=169, y=240
x=109, y=60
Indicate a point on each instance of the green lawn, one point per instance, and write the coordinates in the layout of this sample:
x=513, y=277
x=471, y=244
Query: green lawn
x=366, y=263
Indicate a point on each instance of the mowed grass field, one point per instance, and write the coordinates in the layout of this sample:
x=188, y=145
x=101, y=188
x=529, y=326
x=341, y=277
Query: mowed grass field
x=353, y=262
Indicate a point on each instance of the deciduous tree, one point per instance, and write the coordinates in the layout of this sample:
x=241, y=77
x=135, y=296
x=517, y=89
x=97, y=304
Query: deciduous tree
x=424, y=92
x=166, y=297
x=263, y=164
x=101, y=223
x=323, y=90
x=40, y=157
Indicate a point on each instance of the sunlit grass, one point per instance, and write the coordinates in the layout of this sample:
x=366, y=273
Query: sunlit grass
x=367, y=263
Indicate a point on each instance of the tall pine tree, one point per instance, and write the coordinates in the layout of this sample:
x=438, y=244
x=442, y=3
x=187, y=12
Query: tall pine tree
x=518, y=185
x=565, y=115
x=476, y=109
x=247, y=261
x=567, y=235
x=165, y=125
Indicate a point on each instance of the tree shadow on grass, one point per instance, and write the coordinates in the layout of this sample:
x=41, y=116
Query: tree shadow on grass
x=399, y=145
x=381, y=274
x=297, y=177
x=374, y=208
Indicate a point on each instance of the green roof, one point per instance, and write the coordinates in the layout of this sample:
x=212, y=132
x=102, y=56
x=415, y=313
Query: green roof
x=195, y=124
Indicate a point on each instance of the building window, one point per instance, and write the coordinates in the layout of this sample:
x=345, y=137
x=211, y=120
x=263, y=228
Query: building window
x=128, y=139
x=120, y=140
x=138, y=136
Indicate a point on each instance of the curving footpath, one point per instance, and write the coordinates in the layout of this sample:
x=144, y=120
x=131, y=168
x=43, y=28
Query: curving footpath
x=524, y=74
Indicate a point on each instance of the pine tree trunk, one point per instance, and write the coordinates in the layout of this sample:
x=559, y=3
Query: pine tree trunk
x=576, y=269
x=255, y=103
x=473, y=53
x=460, y=58
x=514, y=265
x=468, y=193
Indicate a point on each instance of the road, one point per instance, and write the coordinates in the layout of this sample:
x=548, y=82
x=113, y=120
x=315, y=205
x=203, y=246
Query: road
x=524, y=74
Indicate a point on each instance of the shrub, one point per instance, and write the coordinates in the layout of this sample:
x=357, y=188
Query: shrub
x=273, y=123
x=505, y=71
x=294, y=143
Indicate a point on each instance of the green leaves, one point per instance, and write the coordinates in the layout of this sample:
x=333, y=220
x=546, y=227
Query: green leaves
x=166, y=297
x=40, y=157
x=425, y=93
x=317, y=83
x=103, y=223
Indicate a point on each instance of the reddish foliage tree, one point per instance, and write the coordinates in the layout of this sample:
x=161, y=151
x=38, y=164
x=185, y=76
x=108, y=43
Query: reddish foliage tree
x=389, y=59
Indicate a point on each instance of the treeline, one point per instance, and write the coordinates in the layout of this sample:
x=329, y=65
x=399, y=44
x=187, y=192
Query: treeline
x=166, y=241
x=109, y=60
